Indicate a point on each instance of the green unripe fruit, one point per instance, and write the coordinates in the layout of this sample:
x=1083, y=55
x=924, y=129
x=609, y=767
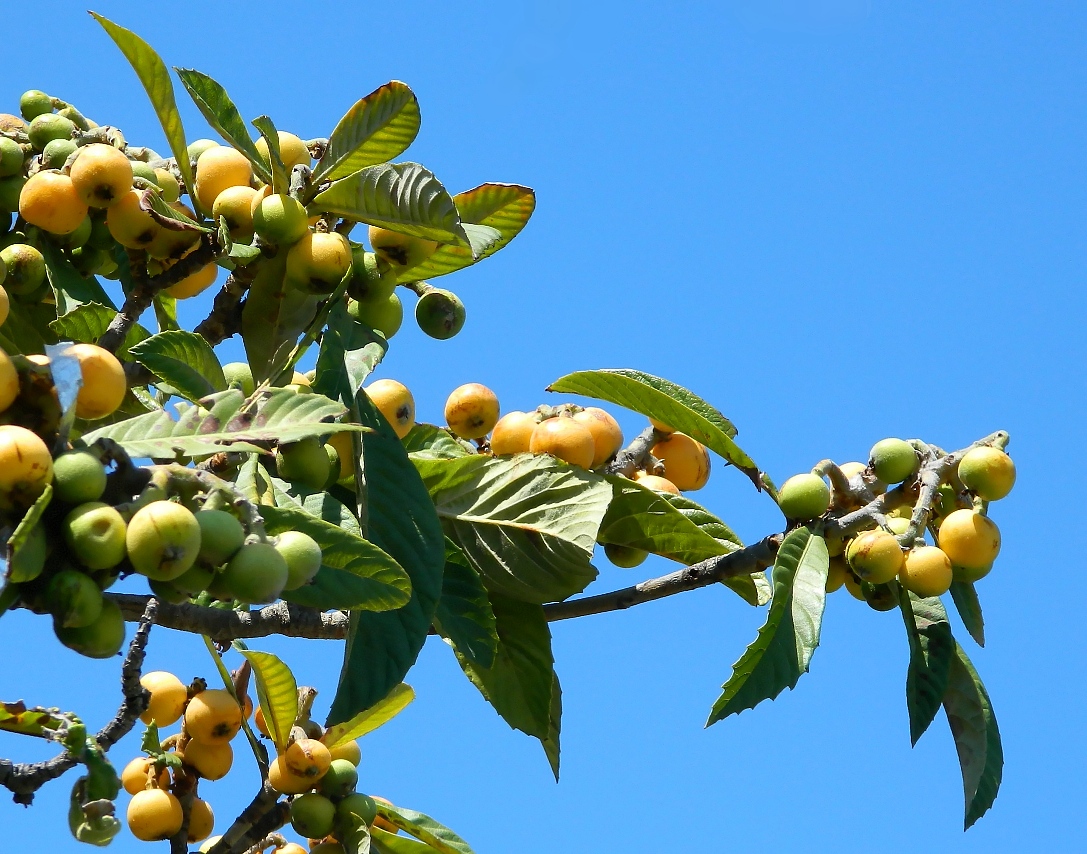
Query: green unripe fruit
x=340, y=779
x=239, y=375
x=79, y=237
x=47, y=127
x=303, y=557
x=29, y=561
x=369, y=279
x=57, y=152
x=95, y=534
x=167, y=591
x=333, y=466
x=305, y=463
x=199, y=146
x=280, y=219
x=34, y=103
x=880, y=597
x=101, y=639
x=355, y=808
x=804, y=497
x=194, y=580
x=384, y=315
x=312, y=816
x=10, y=190
x=73, y=599
x=256, y=574
x=988, y=472
x=11, y=157
x=221, y=535
x=100, y=237
x=88, y=261
x=893, y=460
x=78, y=477
x=440, y=314
x=625, y=557
x=145, y=171
x=25, y=266
x=874, y=556
x=163, y=540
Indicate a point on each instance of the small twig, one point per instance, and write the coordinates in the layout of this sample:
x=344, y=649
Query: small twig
x=259, y=807
x=24, y=779
x=225, y=318
x=145, y=287
x=634, y=455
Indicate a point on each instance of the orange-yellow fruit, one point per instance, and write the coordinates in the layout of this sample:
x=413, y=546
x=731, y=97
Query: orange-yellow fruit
x=210, y=761
x=345, y=451
x=660, y=425
x=101, y=175
x=26, y=465
x=874, y=556
x=9, y=377
x=987, y=471
x=259, y=722
x=837, y=573
x=512, y=433
x=201, y=820
x=195, y=283
x=213, y=717
x=349, y=750
x=218, y=168
x=308, y=757
x=564, y=438
x=235, y=204
x=400, y=250
x=854, y=587
x=926, y=571
x=292, y=150
x=169, y=185
x=969, y=539
x=285, y=781
x=134, y=777
x=471, y=411
x=154, y=815
x=394, y=401
x=291, y=848
x=607, y=434
x=129, y=224
x=104, y=383
x=318, y=262
x=5, y=305
x=686, y=461
x=384, y=823
x=168, y=698
x=655, y=482
x=169, y=244
x=49, y=200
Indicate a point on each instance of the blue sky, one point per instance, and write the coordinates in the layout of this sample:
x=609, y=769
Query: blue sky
x=837, y=222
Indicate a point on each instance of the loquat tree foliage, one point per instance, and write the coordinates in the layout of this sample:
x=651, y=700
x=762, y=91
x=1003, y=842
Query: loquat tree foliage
x=257, y=500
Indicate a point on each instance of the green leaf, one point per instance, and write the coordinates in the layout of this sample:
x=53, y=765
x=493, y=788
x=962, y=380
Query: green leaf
x=183, y=359
x=968, y=605
x=400, y=519
x=504, y=207
x=550, y=741
x=260, y=753
x=86, y=323
x=166, y=312
x=19, y=537
x=69, y=286
x=464, y=616
x=528, y=523
x=223, y=421
x=27, y=328
x=675, y=527
x=931, y=650
x=155, y=78
x=403, y=197
x=666, y=402
x=274, y=316
x=788, y=638
x=520, y=683
x=277, y=693
x=349, y=353
x=16, y=717
x=215, y=105
x=281, y=181
x=390, y=843
x=355, y=574
x=977, y=738
x=375, y=130
x=367, y=721
x=429, y=442
x=425, y=829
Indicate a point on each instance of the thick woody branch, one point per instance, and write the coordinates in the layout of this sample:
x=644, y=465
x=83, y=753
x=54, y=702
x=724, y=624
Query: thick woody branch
x=144, y=288
x=282, y=618
x=225, y=318
x=634, y=455
x=235, y=839
x=23, y=779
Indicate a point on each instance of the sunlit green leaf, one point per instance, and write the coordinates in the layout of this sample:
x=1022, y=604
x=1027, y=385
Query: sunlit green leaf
x=85, y=323
x=277, y=693
x=367, y=721
x=425, y=829
x=16, y=717
x=375, y=130
x=183, y=359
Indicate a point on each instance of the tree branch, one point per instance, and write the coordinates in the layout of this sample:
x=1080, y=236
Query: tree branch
x=282, y=618
x=235, y=838
x=23, y=779
x=225, y=318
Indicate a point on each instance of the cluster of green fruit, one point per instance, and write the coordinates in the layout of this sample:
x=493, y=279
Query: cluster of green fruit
x=84, y=188
x=965, y=542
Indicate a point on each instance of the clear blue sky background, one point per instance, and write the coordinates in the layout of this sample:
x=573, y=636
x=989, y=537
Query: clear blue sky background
x=837, y=221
